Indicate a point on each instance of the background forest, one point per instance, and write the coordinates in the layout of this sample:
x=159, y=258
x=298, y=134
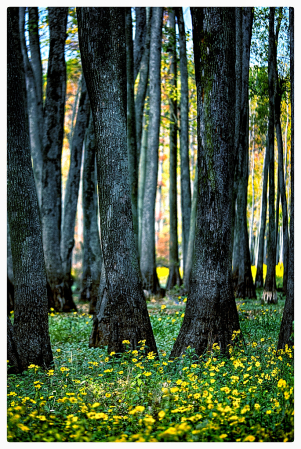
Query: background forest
x=150, y=232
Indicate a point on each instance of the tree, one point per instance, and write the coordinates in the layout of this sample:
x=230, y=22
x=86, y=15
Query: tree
x=122, y=313
x=51, y=210
x=288, y=313
x=140, y=38
x=72, y=188
x=211, y=315
x=29, y=339
x=269, y=293
x=174, y=274
x=184, y=153
x=147, y=257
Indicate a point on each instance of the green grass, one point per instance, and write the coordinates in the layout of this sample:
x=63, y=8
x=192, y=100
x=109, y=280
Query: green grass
x=92, y=396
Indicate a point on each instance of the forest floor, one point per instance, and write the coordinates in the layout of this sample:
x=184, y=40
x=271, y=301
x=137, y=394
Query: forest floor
x=92, y=396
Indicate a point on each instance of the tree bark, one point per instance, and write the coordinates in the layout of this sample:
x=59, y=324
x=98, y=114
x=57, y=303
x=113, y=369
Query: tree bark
x=124, y=315
x=211, y=315
x=60, y=293
x=285, y=335
x=263, y=213
x=92, y=259
x=148, y=257
x=270, y=293
x=72, y=188
x=184, y=142
x=141, y=178
x=30, y=330
x=131, y=124
x=140, y=37
x=174, y=274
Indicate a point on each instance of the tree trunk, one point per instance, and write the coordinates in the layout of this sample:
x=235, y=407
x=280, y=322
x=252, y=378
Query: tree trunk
x=131, y=125
x=141, y=178
x=30, y=330
x=184, y=142
x=211, y=315
x=263, y=213
x=35, y=112
x=92, y=259
x=269, y=293
x=140, y=37
x=148, y=257
x=285, y=335
x=251, y=233
x=124, y=314
x=174, y=274
x=60, y=293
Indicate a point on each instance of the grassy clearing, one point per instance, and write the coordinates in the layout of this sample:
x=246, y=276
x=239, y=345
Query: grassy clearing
x=92, y=396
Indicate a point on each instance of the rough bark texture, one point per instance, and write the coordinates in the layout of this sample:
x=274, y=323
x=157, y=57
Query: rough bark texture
x=60, y=293
x=34, y=110
x=148, y=257
x=285, y=336
x=184, y=144
x=269, y=293
x=124, y=315
x=211, y=315
x=12, y=353
x=92, y=258
x=263, y=213
x=131, y=124
x=10, y=296
x=30, y=330
x=140, y=36
x=245, y=287
x=72, y=187
x=174, y=274
x=142, y=87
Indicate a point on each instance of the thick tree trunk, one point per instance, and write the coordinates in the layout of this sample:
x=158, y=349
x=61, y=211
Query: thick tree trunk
x=285, y=336
x=92, y=259
x=269, y=293
x=60, y=293
x=184, y=142
x=263, y=213
x=35, y=111
x=30, y=330
x=174, y=274
x=148, y=257
x=124, y=315
x=72, y=188
x=211, y=315
x=131, y=124
x=15, y=366
x=140, y=37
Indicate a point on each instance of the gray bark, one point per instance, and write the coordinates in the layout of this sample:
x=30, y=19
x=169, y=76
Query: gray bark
x=269, y=293
x=123, y=313
x=174, y=274
x=285, y=335
x=211, y=315
x=139, y=42
x=141, y=178
x=30, y=330
x=92, y=257
x=72, y=187
x=60, y=293
x=148, y=257
x=184, y=142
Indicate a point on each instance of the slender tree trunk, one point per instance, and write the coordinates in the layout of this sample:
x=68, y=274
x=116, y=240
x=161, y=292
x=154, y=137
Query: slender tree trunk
x=60, y=293
x=211, y=315
x=190, y=248
x=174, y=274
x=288, y=313
x=92, y=259
x=140, y=37
x=269, y=293
x=141, y=179
x=263, y=213
x=72, y=188
x=122, y=312
x=28, y=341
x=184, y=140
x=34, y=111
x=131, y=124
x=148, y=257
